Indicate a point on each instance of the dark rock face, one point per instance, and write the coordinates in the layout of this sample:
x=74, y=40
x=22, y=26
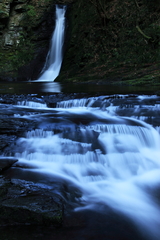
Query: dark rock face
x=33, y=69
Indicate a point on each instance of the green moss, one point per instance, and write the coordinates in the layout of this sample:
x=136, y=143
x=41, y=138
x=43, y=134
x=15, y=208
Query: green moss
x=147, y=80
x=31, y=11
x=17, y=57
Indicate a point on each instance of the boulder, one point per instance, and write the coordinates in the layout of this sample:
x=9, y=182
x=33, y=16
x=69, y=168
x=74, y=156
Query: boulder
x=25, y=203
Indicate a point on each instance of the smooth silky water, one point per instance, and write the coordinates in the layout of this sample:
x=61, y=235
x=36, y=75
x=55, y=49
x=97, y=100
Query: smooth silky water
x=54, y=58
x=106, y=147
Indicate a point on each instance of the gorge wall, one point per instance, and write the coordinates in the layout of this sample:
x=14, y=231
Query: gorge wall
x=104, y=39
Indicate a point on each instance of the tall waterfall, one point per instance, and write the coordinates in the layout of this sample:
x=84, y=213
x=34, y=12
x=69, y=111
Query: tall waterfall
x=55, y=55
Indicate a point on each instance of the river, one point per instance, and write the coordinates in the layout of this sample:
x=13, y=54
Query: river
x=102, y=144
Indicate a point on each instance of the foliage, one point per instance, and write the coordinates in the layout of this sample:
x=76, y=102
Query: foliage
x=112, y=33
x=31, y=12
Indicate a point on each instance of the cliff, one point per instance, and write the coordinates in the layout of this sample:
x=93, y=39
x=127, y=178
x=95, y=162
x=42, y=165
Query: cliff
x=114, y=41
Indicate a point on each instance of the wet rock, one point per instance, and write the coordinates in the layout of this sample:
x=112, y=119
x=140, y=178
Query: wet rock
x=23, y=202
x=6, y=162
x=6, y=141
x=11, y=123
x=14, y=126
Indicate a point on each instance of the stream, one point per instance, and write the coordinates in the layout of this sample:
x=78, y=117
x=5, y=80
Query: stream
x=102, y=145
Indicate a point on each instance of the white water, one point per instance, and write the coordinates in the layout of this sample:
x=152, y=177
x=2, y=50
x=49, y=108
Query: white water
x=113, y=160
x=32, y=104
x=54, y=58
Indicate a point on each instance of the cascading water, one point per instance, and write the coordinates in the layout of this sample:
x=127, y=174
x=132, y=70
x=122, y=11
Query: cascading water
x=101, y=147
x=54, y=58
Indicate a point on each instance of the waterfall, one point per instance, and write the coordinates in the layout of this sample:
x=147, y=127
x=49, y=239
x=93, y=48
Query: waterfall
x=55, y=55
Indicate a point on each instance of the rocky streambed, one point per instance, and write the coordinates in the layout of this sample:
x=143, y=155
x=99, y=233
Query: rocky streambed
x=22, y=202
x=52, y=154
x=27, y=203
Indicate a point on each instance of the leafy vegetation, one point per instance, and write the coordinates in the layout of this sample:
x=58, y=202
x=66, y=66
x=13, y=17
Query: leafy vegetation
x=113, y=34
x=31, y=11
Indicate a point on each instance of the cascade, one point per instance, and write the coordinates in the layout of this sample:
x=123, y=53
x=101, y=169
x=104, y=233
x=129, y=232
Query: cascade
x=104, y=149
x=32, y=104
x=55, y=55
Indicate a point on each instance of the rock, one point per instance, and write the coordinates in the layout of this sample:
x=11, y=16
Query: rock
x=5, y=141
x=5, y=8
x=33, y=69
x=22, y=202
x=19, y=8
x=12, y=35
x=6, y=162
x=25, y=203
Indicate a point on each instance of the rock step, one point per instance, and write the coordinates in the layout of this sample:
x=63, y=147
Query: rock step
x=6, y=162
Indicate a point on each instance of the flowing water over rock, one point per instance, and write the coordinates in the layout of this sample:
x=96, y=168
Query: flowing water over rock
x=105, y=150
x=55, y=55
